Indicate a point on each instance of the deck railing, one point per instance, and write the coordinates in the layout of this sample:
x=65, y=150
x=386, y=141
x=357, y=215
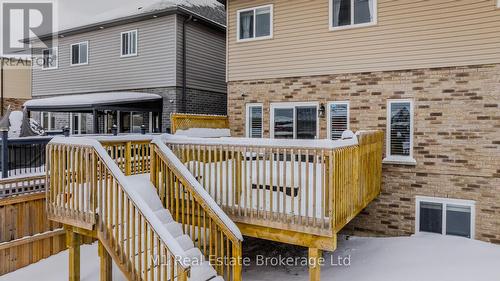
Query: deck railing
x=132, y=155
x=87, y=188
x=313, y=187
x=202, y=219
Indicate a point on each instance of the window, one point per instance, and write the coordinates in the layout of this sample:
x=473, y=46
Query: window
x=254, y=120
x=445, y=216
x=80, y=53
x=352, y=13
x=400, y=132
x=294, y=120
x=49, y=58
x=338, y=119
x=78, y=125
x=255, y=23
x=48, y=121
x=129, y=43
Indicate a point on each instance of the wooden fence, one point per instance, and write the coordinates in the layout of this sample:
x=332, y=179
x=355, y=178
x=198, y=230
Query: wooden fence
x=26, y=234
x=181, y=121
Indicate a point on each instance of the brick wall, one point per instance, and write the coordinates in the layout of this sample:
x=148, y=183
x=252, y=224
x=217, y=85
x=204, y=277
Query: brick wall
x=15, y=104
x=456, y=136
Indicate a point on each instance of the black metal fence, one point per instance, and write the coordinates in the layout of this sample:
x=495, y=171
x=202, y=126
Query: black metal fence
x=22, y=156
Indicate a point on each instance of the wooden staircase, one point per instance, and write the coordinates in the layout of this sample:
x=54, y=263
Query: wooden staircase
x=90, y=194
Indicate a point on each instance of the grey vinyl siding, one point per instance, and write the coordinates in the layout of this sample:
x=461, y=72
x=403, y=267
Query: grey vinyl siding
x=154, y=66
x=206, y=57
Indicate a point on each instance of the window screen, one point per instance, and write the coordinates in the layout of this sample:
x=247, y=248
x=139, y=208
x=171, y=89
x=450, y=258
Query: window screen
x=306, y=122
x=458, y=220
x=431, y=217
x=338, y=119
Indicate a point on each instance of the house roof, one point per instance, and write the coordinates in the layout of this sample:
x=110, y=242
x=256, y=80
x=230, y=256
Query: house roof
x=209, y=12
x=89, y=102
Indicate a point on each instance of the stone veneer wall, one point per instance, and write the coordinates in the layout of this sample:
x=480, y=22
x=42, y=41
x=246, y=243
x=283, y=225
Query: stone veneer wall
x=456, y=136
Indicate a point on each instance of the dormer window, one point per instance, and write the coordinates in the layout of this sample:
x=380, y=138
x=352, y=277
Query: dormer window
x=255, y=23
x=352, y=13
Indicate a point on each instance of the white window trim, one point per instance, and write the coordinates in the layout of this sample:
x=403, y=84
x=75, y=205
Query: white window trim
x=293, y=105
x=329, y=120
x=498, y=4
x=71, y=123
x=55, y=51
x=397, y=159
x=359, y=25
x=445, y=202
x=71, y=53
x=136, y=44
x=50, y=126
x=247, y=118
x=271, y=24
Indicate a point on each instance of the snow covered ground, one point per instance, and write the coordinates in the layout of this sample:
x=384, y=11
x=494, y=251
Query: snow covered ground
x=424, y=257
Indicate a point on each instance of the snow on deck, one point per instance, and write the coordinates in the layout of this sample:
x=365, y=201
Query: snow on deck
x=424, y=257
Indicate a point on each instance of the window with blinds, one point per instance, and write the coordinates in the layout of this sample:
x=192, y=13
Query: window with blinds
x=254, y=121
x=338, y=119
x=400, y=118
x=129, y=43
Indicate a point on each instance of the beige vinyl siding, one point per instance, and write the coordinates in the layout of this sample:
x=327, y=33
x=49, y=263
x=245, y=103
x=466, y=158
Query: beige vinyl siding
x=17, y=82
x=408, y=35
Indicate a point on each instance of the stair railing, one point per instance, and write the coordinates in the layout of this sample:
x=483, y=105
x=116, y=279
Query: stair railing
x=87, y=188
x=212, y=231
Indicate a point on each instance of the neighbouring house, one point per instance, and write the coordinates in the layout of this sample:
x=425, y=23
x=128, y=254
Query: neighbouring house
x=425, y=72
x=16, y=88
x=132, y=67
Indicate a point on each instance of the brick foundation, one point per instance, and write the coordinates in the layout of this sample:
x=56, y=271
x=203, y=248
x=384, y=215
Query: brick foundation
x=456, y=136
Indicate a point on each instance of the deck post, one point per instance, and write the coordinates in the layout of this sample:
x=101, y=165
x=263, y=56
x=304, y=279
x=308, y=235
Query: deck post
x=128, y=158
x=314, y=264
x=105, y=264
x=73, y=241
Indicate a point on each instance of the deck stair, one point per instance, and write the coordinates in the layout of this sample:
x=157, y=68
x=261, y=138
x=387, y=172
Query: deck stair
x=91, y=195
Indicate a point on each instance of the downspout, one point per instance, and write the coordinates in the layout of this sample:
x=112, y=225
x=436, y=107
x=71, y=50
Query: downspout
x=2, y=88
x=184, y=63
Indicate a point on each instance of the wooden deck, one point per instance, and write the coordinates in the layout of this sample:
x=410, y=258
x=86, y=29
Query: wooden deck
x=295, y=194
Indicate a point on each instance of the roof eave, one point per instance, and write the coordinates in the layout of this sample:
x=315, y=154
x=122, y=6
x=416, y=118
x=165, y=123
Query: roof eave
x=130, y=19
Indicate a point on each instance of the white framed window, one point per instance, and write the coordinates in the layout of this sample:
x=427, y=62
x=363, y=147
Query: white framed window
x=129, y=43
x=338, y=119
x=254, y=126
x=47, y=121
x=255, y=23
x=445, y=216
x=352, y=13
x=295, y=120
x=399, y=133
x=49, y=57
x=79, y=53
x=78, y=123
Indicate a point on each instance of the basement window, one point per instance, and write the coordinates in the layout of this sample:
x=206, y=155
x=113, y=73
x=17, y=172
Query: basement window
x=445, y=216
x=255, y=23
x=254, y=120
x=338, y=119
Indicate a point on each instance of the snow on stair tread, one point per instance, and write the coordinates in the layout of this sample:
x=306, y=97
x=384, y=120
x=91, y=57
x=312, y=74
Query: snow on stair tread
x=185, y=242
x=143, y=186
x=203, y=272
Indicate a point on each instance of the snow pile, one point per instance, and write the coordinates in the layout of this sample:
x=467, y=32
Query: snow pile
x=15, y=120
x=417, y=258
x=92, y=99
x=204, y=133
